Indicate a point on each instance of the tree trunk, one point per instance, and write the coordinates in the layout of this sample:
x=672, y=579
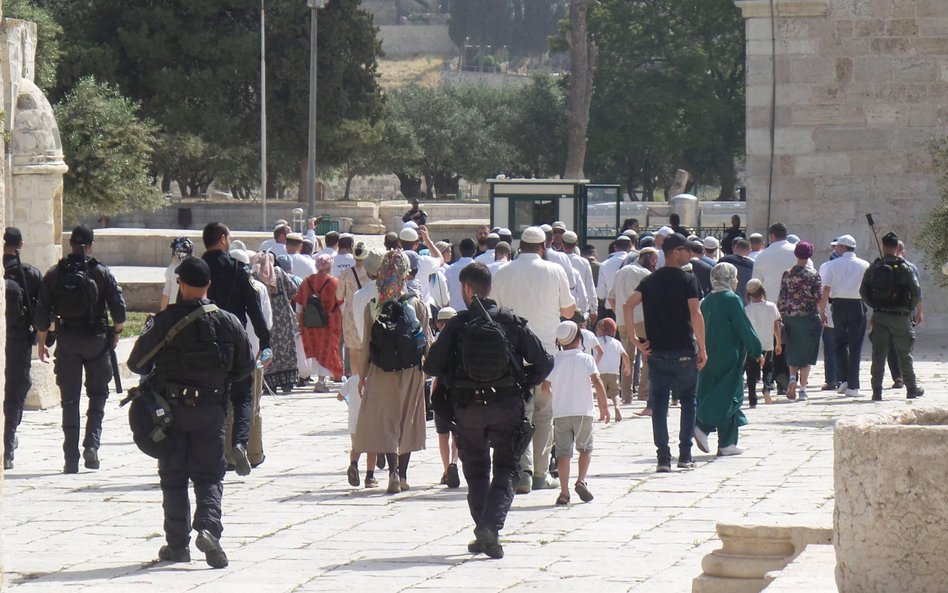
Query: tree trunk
x=582, y=55
x=349, y=179
x=728, y=182
x=409, y=185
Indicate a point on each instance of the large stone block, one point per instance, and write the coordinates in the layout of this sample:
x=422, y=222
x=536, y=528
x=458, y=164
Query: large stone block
x=815, y=115
x=932, y=8
x=812, y=70
x=822, y=164
x=891, y=515
x=830, y=140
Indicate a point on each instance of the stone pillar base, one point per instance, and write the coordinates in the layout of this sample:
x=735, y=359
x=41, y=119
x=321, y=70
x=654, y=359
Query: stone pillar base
x=45, y=393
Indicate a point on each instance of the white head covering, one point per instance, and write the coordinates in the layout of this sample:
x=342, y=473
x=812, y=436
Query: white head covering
x=723, y=277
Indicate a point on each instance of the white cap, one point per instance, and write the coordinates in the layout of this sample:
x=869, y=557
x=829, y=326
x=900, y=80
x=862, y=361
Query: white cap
x=446, y=313
x=546, y=228
x=623, y=239
x=847, y=241
x=408, y=235
x=665, y=231
x=493, y=236
x=570, y=237
x=411, y=224
x=755, y=236
x=559, y=224
x=347, y=236
x=711, y=243
x=630, y=233
x=504, y=231
x=533, y=234
x=240, y=255
x=294, y=237
x=566, y=332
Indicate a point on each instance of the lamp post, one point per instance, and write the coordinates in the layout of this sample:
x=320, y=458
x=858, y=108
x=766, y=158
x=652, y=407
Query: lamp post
x=314, y=5
x=263, y=112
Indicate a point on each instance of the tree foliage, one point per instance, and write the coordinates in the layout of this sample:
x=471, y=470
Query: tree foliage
x=48, y=43
x=108, y=149
x=934, y=237
x=516, y=27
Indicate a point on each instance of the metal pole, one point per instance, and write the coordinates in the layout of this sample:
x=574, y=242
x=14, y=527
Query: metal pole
x=263, y=112
x=311, y=165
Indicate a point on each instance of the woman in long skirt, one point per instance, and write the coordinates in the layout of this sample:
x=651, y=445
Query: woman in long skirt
x=282, y=373
x=322, y=343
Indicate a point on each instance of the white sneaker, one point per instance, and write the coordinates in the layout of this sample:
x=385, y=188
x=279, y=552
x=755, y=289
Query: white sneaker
x=701, y=440
x=730, y=450
x=843, y=387
x=852, y=393
x=801, y=395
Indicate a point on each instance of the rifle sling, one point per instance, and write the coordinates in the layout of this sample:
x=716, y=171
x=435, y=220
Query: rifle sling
x=175, y=330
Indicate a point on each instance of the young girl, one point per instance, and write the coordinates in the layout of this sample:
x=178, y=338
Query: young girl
x=349, y=393
x=765, y=318
x=613, y=356
x=573, y=412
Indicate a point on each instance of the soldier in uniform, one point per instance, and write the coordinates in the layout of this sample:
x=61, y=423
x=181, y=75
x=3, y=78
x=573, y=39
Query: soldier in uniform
x=22, y=289
x=193, y=373
x=488, y=416
x=75, y=294
x=232, y=291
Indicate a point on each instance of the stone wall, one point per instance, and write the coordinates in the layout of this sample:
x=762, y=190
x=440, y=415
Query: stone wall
x=861, y=89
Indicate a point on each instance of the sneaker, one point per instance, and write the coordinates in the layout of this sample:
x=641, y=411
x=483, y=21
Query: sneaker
x=828, y=387
x=701, y=439
x=843, y=387
x=792, y=388
x=663, y=468
x=371, y=482
x=241, y=462
x=852, y=393
x=545, y=483
x=353, y=474
x=583, y=491
x=71, y=467
x=525, y=485
x=453, y=479
x=801, y=395
x=686, y=464
x=898, y=384
x=211, y=546
x=168, y=554
x=913, y=393
x=394, y=484
x=321, y=387
x=490, y=544
x=90, y=458
x=729, y=451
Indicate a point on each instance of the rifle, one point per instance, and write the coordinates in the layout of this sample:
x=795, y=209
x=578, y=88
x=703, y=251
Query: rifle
x=116, y=375
x=872, y=225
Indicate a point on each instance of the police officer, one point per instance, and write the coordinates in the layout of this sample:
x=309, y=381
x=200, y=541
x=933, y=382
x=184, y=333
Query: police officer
x=193, y=372
x=489, y=417
x=22, y=289
x=232, y=291
x=75, y=294
x=890, y=287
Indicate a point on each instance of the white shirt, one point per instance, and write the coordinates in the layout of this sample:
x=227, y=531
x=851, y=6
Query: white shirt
x=427, y=266
x=772, y=263
x=844, y=275
x=440, y=293
x=497, y=265
x=486, y=258
x=350, y=393
x=581, y=265
x=612, y=351
x=272, y=245
x=829, y=310
x=579, y=292
x=341, y=263
x=325, y=250
x=626, y=281
x=590, y=343
x=762, y=316
x=263, y=297
x=303, y=265
x=452, y=274
x=607, y=273
x=571, y=384
x=753, y=254
x=535, y=290
x=562, y=260
x=170, y=289
x=360, y=299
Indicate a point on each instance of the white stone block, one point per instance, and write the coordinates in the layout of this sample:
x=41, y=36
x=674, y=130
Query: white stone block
x=822, y=164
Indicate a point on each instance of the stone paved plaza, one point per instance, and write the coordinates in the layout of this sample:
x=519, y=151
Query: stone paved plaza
x=295, y=524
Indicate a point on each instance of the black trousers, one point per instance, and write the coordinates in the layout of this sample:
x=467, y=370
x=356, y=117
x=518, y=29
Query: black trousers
x=481, y=428
x=752, y=371
x=849, y=325
x=241, y=397
x=197, y=453
x=16, y=386
x=75, y=354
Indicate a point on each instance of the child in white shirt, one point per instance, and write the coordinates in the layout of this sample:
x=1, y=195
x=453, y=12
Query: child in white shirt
x=765, y=319
x=569, y=385
x=612, y=358
x=349, y=393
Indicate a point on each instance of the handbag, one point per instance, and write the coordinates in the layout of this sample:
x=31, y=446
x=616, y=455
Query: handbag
x=315, y=315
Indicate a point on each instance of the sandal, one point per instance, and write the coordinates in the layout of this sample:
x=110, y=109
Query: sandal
x=562, y=500
x=583, y=491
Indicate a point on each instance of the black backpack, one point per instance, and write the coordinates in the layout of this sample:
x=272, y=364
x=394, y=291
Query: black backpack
x=398, y=340
x=315, y=315
x=18, y=314
x=75, y=294
x=483, y=350
x=885, y=286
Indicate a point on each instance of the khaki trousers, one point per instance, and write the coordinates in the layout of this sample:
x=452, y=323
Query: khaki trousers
x=536, y=459
x=630, y=350
x=255, y=443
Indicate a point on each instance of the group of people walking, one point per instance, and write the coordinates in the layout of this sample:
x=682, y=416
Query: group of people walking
x=519, y=351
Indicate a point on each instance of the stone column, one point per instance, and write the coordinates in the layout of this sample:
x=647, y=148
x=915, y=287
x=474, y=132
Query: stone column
x=3, y=329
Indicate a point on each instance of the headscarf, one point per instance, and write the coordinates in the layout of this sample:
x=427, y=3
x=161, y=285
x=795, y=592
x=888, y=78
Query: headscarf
x=265, y=272
x=391, y=277
x=723, y=276
x=323, y=262
x=285, y=263
x=238, y=244
x=803, y=250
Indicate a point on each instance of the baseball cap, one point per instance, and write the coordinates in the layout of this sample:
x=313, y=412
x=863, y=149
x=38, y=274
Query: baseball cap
x=533, y=234
x=372, y=262
x=82, y=235
x=408, y=234
x=193, y=272
x=559, y=224
x=570, y=237
x=12, y=236
x=710, y=243
x=847, y=241
x=361, y=251
x=834, y=242
x=566, y=332
x=676, y=240
x=446, y=313
x=413, y=259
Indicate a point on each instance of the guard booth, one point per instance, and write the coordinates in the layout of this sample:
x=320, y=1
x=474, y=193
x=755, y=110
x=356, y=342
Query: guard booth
x=594, y=211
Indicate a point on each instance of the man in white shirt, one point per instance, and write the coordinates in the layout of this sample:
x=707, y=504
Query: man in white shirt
x=581, y=265
x=409, y=239
x=331, y=240
x=842, y=278
x=757, y=245
x=278, y=243
x=364, y=295
x=775, y=260
x=556, y=257
x=538, y=291
x=303, y=265
x=609, y=268
x=487, y=258
x=343, y=260
x=626, y=282
x=501, y=257
x=467, y=248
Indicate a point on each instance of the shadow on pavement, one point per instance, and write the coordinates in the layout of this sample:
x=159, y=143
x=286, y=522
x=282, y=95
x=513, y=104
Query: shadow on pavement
x=82, y=575
x=400, y=562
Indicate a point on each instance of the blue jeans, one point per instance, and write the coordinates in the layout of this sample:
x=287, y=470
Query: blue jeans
x=672, y=369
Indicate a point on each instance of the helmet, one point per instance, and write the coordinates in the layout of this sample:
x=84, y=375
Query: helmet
x=150, y=418
x=182, y=245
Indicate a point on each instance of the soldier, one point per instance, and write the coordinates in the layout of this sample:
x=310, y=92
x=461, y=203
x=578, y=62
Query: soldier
x=22, y=286
x=890, y=287
x=75, y=294
x=193, y=371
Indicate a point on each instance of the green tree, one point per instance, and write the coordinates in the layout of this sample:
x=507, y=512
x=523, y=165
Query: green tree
x=48, y=33
x=934, y=237
x=536, y=130
x=108, y=149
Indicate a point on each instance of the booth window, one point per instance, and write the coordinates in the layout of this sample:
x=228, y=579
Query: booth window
x=602, y=212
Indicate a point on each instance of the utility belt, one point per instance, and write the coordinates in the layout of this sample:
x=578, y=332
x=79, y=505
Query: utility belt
x=186, y=395
x=76, y=326
x=893, y=312
x=465, y=393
